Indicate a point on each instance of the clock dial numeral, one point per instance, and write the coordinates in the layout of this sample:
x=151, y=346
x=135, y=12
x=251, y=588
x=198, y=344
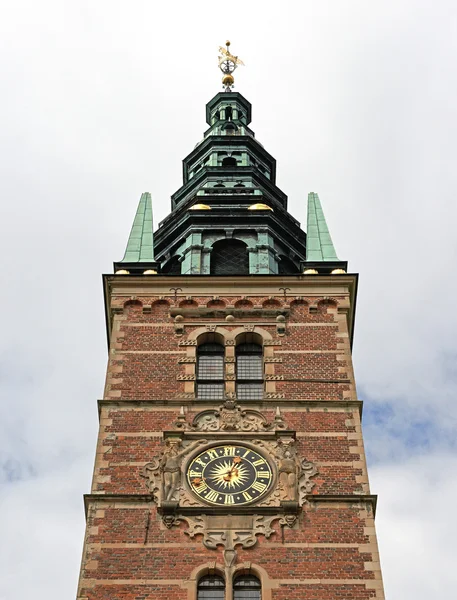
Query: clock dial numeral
x=230, y=475
x=263, y=474
x=260, y=487
x=212, y=496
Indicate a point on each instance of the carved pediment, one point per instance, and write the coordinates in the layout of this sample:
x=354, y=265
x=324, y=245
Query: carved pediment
x=231, y=417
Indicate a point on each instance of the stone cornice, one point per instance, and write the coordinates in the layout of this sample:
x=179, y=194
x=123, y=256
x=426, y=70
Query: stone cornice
x=312, y=498
x=266, y=404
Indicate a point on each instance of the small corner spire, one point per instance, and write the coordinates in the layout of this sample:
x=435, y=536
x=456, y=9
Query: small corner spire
x=319, y=245
x=227, y=64
x=139, y=254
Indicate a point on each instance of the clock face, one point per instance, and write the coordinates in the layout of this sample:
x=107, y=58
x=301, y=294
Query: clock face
x=230, y=475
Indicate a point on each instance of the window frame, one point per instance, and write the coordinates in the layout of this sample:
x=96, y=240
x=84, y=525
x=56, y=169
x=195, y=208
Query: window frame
x=215, y=386
x=245, y=383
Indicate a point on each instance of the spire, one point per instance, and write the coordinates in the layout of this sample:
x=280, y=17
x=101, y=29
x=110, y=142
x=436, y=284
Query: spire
x=319, y=245
x=140, y=247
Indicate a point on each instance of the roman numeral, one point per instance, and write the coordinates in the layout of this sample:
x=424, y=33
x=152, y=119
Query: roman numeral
x=246, y=453
x=261, y=461
x=247, y=496
x=263, y=474
x=229, y=450
x=193, y=473
x=260, y=487
x=212, y=496
x=229, y=499
x=201, y=486
x=200, y=462
x=212, y=454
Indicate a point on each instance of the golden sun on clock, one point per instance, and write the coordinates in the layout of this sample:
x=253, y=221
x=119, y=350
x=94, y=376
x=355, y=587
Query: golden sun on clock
x=231, y=474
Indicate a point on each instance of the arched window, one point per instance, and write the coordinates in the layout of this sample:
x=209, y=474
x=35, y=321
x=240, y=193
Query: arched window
x=247, y=587
x=210, y=371
x=229, y=161
x=211, y=587
x=229, y=257
x=249, y=372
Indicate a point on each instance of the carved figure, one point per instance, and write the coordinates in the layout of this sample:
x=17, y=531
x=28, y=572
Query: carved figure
x=288, y=472
x=168, y=468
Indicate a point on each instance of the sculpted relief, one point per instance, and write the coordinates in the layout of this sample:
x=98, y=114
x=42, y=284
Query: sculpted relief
x=231, y=417
x=232, y=474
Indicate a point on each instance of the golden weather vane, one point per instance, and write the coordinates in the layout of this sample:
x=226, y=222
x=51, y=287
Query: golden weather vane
x=227, y=64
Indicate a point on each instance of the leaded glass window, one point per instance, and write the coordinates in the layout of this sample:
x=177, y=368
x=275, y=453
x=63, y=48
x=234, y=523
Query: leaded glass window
x=211, y=587
x=210, y=371
x=249, y=372
x=247, y=587
x=229, y=257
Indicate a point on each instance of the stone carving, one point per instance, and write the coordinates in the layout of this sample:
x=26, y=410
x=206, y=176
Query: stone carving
x=267, y=359
x=188, y=343
x=164, y=473
x=230, y=417
x=274, y=377
x=249, y=328
x=179, y=325
x=305, y=486
x=295, y=474
x=187, y=359
x=274, y=396
x=185, y=377
x=288, y=520
x=281, y=325
x=211, y=328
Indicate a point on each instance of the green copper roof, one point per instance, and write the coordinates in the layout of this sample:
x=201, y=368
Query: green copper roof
x=140, y=247
x=319, y=245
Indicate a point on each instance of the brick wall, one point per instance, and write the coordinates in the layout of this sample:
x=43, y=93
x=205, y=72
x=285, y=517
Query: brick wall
x=331, y=552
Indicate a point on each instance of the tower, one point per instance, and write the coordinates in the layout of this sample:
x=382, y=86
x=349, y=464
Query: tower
x=230, y=460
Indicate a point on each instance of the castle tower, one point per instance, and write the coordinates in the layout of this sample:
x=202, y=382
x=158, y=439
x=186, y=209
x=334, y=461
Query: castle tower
x=230, y=460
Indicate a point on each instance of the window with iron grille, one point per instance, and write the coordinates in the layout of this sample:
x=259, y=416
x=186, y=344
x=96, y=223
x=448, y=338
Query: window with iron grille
x=247, y=587
x=229, y=257
x=210, y=371
x=211, y=587
x=249, y=372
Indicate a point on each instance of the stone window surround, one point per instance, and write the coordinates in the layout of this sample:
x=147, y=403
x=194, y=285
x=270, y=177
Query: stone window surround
x=229, y=340
x=213, y=568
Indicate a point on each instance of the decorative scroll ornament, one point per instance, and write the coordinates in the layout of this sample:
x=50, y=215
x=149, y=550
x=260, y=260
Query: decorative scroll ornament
x=231, y=417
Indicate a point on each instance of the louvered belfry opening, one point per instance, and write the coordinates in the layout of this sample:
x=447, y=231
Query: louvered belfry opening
x=229, y=257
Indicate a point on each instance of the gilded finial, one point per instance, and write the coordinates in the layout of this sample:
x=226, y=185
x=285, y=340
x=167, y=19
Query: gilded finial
x=227, y=64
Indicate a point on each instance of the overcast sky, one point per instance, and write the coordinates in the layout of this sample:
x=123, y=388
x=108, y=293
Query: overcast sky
x=101, y=101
